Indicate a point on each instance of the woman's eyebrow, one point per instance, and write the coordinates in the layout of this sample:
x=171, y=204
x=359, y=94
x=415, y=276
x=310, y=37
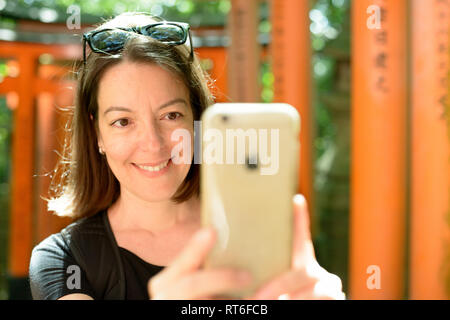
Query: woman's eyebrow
x=116, y=108
x=178, y=100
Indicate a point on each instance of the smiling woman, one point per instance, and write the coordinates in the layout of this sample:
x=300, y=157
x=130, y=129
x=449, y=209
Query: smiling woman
x=116, y=173
x=138, y=233
x=108, y=81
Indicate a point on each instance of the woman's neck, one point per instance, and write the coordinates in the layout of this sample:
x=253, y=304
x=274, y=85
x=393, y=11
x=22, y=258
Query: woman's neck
x=132, y=213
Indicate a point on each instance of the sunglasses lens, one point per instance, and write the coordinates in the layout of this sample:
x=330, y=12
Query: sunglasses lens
x=166, y=33
x=109, y=40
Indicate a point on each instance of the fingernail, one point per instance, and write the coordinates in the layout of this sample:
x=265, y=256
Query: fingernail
x=284, y=296
x=299, y=199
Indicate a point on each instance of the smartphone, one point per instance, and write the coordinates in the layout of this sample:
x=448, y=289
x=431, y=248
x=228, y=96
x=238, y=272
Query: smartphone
x=248, y=177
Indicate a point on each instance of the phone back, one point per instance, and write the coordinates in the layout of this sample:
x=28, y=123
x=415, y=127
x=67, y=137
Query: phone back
x=249, y=176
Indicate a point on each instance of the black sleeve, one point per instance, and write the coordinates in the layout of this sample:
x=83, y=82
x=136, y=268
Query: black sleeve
x=54, y=272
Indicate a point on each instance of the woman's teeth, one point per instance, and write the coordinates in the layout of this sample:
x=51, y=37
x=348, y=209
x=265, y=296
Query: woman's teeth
x=155, y=168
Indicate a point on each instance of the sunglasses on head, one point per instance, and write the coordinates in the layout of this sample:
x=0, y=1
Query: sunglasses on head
x=113, y=40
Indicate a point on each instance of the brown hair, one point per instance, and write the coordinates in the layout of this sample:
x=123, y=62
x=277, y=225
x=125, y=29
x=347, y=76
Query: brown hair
x=83, y=182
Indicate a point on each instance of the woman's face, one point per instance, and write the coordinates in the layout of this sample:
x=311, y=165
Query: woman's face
x=140, y=105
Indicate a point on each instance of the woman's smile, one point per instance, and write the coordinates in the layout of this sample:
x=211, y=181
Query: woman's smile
x=154, y=171
x=154, y=166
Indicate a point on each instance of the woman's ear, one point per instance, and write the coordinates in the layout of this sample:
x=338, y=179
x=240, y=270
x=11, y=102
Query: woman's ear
x=100, y=145
x=99, y=139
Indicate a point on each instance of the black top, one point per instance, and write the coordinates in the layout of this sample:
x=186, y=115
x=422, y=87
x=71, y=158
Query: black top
x=54, y=271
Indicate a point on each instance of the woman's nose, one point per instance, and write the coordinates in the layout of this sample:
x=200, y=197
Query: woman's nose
x=150, y=137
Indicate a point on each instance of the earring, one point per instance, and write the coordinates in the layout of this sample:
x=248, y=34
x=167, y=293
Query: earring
x=101, y=150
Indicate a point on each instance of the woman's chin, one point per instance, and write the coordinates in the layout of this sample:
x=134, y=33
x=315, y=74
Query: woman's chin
x=158, y=196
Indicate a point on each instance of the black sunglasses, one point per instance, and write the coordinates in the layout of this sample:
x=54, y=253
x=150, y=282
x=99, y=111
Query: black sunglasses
x=113, y=40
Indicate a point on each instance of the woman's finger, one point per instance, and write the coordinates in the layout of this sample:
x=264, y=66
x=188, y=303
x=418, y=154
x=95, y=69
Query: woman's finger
x=303, y=249
x=328, y=288
x=288, y=282
x=312, y=280
x=205, y=284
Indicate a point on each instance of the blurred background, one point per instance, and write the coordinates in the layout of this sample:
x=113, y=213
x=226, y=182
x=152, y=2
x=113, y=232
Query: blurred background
x=369, y=78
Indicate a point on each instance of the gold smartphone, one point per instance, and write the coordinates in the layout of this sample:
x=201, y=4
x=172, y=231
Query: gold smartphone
x=249, y=175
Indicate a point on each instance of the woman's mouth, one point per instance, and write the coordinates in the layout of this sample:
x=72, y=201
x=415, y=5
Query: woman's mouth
x=156, y=168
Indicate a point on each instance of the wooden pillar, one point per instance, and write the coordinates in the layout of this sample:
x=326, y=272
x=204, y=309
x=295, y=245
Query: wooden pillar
x=52, y=93
x=379, y=147
x=217, y=56
x=21, y=219
x=44, y=144
x=291, y=64
x=26, y=227
x=244, y=51
x=430, y=223
x=48, y=140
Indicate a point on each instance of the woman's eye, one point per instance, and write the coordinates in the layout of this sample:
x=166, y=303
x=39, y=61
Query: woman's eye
x=173, y=115
x=121, y=123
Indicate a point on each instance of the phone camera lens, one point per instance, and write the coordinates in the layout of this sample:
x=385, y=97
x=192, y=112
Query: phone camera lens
x=251, y=162
x=224, y=118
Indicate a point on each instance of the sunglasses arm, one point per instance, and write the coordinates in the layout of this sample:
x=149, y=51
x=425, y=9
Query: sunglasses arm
x=191, y=55
x=84, y=51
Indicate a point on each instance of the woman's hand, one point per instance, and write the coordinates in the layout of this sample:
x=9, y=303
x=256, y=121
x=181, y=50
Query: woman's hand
x=184, y=278
x=306, y=279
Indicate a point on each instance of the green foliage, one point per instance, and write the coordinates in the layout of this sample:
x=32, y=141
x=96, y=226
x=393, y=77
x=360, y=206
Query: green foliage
x=195, y=12
x=323, y=71
x=267, y=80
x=327, y=19
x=331, y=55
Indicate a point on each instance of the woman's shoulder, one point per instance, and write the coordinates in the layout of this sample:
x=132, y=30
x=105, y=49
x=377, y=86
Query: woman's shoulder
x=52, y=257
x=64, y=239
x=93, y=225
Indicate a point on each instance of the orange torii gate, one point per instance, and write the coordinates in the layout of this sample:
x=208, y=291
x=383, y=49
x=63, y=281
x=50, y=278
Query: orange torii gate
x=34, y=123
x=400, y=167
x=400, y=141
x=430, y=158
x=379, y=149
x=291, y=63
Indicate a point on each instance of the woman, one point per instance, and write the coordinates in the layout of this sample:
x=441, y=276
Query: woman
x=135, y=88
